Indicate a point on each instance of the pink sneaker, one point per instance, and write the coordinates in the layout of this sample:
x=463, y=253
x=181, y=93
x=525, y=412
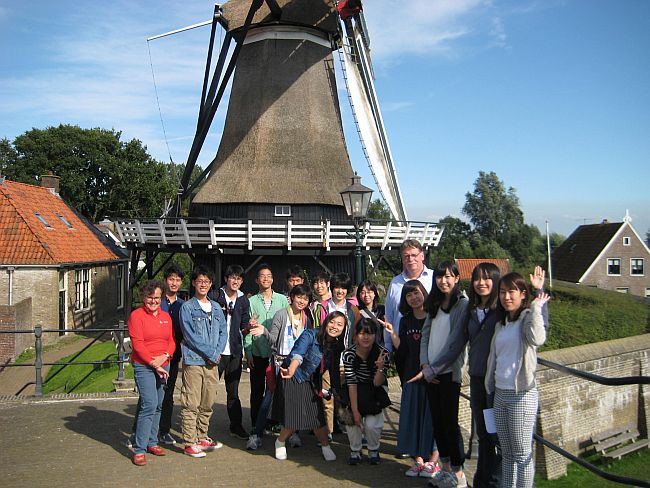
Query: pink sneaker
x=429, y=470
x=415, y=470
x=209, y=445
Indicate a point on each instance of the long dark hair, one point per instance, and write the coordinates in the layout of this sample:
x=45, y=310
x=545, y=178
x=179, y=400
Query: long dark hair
x=331, y=343
x=436, y=297
x=509, y=282
x=368, y=285
x=410, y=286
x=487, y=271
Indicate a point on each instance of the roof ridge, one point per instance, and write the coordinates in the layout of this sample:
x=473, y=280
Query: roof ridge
x=43, y=244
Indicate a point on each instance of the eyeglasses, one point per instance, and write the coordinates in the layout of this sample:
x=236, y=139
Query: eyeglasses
x=153, y=299
x=202, y=282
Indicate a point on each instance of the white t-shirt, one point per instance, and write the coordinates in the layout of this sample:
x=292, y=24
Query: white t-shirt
x=507, y=347
x=206, y=306
x=440, y=329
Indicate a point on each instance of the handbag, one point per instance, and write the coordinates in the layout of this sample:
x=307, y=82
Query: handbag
x=371, y=399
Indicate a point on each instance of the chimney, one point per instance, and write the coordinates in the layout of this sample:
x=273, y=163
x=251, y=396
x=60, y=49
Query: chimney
x=51, y=182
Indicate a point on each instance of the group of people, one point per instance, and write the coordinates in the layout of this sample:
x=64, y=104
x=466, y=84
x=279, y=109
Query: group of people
x=318, y=360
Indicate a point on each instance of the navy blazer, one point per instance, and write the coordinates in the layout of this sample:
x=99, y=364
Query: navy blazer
x=239, y=319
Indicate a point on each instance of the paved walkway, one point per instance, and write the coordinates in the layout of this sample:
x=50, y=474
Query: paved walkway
x=79, y=442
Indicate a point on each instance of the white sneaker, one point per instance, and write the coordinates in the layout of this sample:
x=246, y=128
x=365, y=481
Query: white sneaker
x=414, y=471
x=328, y=454
x=254, y=442
x=462, y=481
x=280, y=450
x=294, y=440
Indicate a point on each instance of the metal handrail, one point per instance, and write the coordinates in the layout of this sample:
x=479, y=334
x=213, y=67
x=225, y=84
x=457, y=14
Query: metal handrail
x=38, y=363
x=630, y=380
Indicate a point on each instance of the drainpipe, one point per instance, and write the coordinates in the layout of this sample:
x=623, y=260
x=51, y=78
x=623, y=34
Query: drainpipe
x=10, y=271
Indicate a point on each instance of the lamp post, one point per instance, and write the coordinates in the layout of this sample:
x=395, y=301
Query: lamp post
x=356, y=199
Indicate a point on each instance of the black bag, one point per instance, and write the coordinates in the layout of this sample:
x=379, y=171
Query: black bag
x=371, y=399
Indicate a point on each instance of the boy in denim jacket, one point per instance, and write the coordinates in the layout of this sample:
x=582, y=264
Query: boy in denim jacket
x=204, y=339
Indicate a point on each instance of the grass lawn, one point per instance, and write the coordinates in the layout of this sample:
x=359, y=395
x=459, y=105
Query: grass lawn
x=28, y=355
x=636, y=465
x=86, y=378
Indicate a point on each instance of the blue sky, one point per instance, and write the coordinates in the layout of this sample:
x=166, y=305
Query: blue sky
x=554, y=96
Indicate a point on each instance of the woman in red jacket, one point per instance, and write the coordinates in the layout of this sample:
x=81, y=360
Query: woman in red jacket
x=153, y=343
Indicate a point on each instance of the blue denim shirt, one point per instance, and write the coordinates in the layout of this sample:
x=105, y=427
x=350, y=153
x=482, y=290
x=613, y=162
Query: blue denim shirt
x=308, y=352
x=204, y=334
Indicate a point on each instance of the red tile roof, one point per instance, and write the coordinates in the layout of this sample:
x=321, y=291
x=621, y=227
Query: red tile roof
x=466, y=266
x=24, y=239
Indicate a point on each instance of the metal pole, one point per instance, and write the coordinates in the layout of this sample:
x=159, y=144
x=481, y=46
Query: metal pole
x=548, y=252
x=120, y=350
x=38, y=362
x=357, y=252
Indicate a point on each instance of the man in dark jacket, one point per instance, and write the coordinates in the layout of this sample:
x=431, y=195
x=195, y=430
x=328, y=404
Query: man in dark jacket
x=236, y=309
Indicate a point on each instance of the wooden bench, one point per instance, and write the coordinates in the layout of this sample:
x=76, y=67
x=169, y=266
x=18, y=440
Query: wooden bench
x=616, y=443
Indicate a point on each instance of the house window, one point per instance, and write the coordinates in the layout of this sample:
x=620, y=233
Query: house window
x=622, y=289
x=636, y=266
x=43, y=221
x=64, y=220
x=81, y=289
x=283, y=210
x=119, y=281
x=614, y=267
x=626, y=241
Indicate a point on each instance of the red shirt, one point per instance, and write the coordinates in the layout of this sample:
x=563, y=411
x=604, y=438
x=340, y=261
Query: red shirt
x=151, y=335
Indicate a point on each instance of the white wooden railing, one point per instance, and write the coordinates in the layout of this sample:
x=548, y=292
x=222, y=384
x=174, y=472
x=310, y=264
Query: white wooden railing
x=210, y=234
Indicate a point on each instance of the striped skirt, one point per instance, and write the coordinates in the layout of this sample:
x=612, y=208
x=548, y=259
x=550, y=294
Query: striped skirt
x=296, y=406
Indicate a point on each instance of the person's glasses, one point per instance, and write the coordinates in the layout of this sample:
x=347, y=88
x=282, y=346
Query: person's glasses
x=203, y=282
x=152, y=299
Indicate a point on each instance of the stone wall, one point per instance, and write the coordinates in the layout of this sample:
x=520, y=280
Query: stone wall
x=574, y=409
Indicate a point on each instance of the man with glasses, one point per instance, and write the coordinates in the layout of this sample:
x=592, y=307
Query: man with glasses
x=413, y=268
x=204, y=339
x=236, y=308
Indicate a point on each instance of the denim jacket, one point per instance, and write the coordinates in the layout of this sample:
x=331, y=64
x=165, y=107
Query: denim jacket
x=308, y=352
x=204, y=334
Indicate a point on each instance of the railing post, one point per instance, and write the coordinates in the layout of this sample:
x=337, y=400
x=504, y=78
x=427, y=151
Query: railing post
x=120, y=350
x=38, y=361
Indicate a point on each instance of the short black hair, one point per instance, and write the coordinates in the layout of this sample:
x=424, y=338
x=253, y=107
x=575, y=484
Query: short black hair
x=368, y=285
x=321, y=276
x=174, y=269
x=300, y=289
x=296, y=271
x=202, y=270
x=234, y=269
x=410, y=286
x=262, y=267
x=341, y=280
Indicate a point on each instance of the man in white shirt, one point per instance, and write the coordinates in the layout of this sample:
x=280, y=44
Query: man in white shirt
x=413, y=268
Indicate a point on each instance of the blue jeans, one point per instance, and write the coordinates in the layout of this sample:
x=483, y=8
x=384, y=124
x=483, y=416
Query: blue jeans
x=152, y=392
x=263, y=413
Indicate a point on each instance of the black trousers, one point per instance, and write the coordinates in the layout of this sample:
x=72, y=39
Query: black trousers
x=443, y=402
x=488, y=468
x=258, y=385
x=230, y=369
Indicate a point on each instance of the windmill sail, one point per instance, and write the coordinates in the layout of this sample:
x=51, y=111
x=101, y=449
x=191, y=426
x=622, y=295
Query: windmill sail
x=370, y=123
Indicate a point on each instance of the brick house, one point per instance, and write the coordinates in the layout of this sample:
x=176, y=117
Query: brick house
x=608, y=255
x=56, y=268
x=466, y=266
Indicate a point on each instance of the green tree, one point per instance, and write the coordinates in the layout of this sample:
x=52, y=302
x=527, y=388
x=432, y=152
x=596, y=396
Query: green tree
x=455, y=241
x=378, y=210
x=100, y=174
x=493, y=209
x=8, y=155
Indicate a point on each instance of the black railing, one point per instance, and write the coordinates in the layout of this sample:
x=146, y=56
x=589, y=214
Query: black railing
x=38, y=363
x=629, y=380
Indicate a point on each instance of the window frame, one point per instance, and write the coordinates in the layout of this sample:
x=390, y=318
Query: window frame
x=81, y=289
x=280, y=211
x=642, y=273
x=627, y=241
x=620, y=262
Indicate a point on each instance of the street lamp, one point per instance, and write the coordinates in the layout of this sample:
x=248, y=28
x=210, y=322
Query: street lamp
x=356, y=199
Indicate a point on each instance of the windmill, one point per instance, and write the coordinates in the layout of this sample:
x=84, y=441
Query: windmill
x=273, y=190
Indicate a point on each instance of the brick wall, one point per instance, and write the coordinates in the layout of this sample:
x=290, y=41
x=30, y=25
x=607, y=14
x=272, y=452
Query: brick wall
x=573, y=409
x=14, y=317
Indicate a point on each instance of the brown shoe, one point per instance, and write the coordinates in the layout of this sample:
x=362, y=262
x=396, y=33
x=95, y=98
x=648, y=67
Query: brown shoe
x=139, y=459
x=156, y=451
